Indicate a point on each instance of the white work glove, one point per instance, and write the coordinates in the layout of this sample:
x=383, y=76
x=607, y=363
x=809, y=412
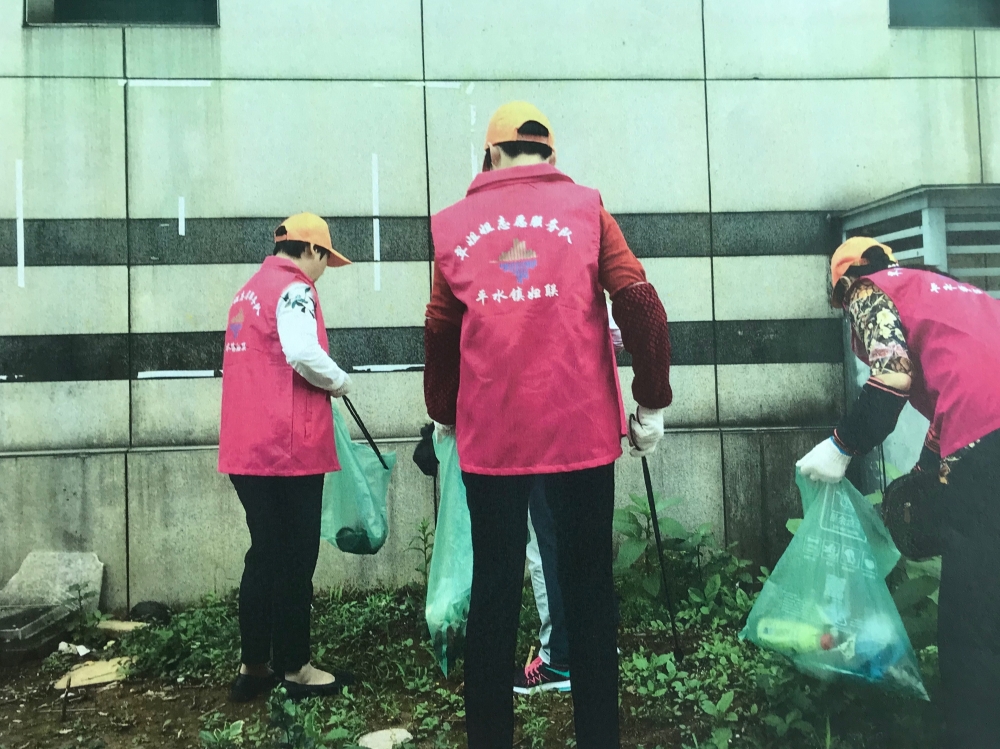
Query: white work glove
x=825, y=462
x=645, y=430
x=443, y=430
x=344, y=389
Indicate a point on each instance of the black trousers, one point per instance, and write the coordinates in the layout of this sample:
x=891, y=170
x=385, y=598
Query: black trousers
x=283, y=515
x=969, y=601
x=581, y=503
x=545, y=536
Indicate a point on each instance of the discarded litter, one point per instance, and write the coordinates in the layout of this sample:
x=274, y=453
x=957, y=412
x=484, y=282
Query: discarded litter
x=116, y=627
x=95, y=672
x=386, y=739
x=68, y=649
x=826, y=605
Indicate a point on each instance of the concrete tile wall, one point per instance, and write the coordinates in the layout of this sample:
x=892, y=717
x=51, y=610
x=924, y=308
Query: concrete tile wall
x=827, y=39
x=693, y=387
x=89, y=300
x=794, y=145
x=988, y=52
x=603, y=138
x=183, y=298
x=989, y=109
x=177, y=412
x=291, y=39
x=66, y=503
x=235, y=149
x=188, y=532
x=588, y=39
x=70, y=52
x=684, y=285
x=764, y=287
x=70, y=134
x=63, y=415
x=780, y=394
x=760, y=489
x=685, y=465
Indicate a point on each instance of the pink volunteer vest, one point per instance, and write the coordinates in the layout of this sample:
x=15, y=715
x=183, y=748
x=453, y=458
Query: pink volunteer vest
x=274, y=423
x=953, y=334
x=539, y=390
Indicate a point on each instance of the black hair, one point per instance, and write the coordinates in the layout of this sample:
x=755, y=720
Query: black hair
x=515, y=148
x=295, y=248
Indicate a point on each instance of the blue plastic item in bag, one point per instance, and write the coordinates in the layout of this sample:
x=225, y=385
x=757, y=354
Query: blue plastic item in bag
x=449, y=581
x=826, y=605
x=355, y=517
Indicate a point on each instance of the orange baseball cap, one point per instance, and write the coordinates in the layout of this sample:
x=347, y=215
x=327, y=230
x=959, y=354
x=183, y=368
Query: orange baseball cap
x=849, y=254
x=308, y=227
x=512, y=115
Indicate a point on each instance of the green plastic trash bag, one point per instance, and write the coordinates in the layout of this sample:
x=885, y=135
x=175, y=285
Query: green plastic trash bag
x=354, y=510
x=449, y=581
x=826, y=605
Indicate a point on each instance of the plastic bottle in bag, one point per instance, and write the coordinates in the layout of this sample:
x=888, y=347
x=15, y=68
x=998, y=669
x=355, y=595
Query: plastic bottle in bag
x=792, y=637
x=826, y=605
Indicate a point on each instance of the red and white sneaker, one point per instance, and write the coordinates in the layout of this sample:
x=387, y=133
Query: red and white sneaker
x=539, y=676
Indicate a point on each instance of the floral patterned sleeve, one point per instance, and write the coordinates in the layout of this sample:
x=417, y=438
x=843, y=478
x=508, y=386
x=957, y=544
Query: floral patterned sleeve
x=875, y=321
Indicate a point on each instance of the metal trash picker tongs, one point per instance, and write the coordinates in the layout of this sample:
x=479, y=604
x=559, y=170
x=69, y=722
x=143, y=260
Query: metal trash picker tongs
x=678, y=652
x=371, y=442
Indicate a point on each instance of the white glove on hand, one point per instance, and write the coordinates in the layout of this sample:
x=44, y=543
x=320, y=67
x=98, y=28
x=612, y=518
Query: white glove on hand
x=344, y=389
x=645, y=430
x=825, y=462
x=443, y=430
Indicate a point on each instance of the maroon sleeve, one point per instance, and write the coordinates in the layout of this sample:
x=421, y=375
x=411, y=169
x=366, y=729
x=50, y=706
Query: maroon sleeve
x=444, y=305
x=441, y=369
x=617, y=266
x=643, y=322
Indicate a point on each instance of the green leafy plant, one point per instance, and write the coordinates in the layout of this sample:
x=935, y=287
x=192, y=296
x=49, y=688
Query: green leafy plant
x=534, y=722
x=637, y=551
x=81, y=625
x=301, y=725
x=227, y=737
x=423, y=545
x=200, y=644
x=915, y=592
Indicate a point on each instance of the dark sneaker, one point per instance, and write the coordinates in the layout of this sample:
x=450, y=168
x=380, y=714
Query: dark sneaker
x=245, y=688
x=539, y=676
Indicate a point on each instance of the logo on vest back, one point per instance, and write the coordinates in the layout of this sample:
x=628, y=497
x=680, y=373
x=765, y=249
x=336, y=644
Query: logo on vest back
x=236, y=324
x=518, y=260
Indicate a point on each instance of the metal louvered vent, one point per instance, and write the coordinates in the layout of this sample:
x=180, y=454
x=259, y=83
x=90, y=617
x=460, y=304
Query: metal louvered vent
x=954, y=228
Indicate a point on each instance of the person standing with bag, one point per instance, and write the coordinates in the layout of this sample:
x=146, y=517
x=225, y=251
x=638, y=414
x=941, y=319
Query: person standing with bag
x=518, y=362
x=276, y=443
x=934, y=342
x=550, y=668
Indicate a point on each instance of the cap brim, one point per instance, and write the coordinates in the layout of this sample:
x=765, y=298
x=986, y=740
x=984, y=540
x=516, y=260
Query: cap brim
x=336, y=260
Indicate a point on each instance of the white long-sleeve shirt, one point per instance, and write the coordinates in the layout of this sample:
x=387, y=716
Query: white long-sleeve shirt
x=616, y=332
x=296, y=317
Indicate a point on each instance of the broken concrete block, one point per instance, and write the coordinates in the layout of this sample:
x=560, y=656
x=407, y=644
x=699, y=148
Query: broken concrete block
x=59, y=578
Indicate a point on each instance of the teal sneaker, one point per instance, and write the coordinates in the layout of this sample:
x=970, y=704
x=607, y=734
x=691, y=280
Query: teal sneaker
x=539, y=676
